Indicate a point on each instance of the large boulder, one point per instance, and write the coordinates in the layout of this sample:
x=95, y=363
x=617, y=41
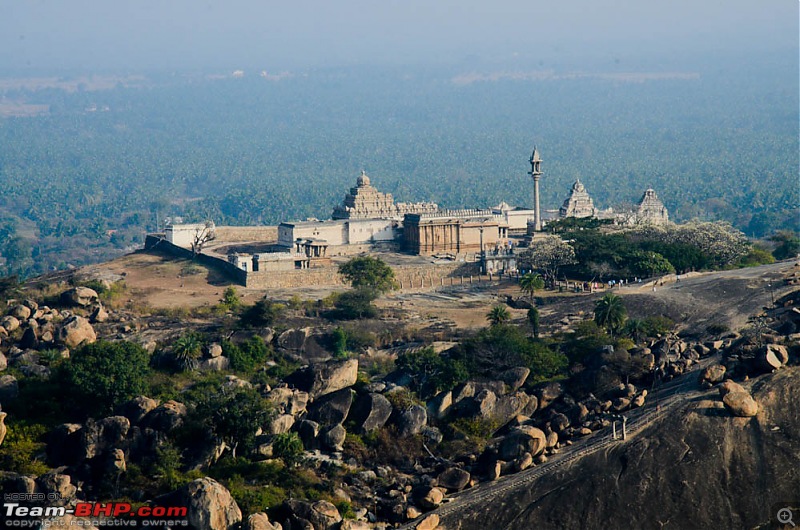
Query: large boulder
x=260, y=521
x=482, y=405
x=3, y=428
x=79, y=296
x=439, y=405
x=9, y=323
x=9, y=388
x=281, y=423
x=713, y=374
x=288, y=400
x=166, y=416
x=210, y=505
x=56, y=486
x=321, y=514
x=412, y=420
x=510, y=405
x=548, y=393
x=521, y=440
x=334, y=438
x=75, y=331
x=515, y=377
x=324, y=378
x=729, y=386
x=99, y=315
x=741, y=404
x=20, y=312
x=428, y=497
x=137, y=408
x=370, y=412
x=454, y=478
x=332, y=409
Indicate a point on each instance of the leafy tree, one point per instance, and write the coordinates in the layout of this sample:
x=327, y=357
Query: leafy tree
x=430, y=372
x=635, y=329
x=530, y=282
x=650, y=264
x=548, y=254
x=788, y=244
x=498, y=315
x=368, y=272
x=263, y=313
x=533, y=320
x=232, y=415
x=103, y=375
x=355, y=304
x=610, y=313
x=230, y=298
x=339, y=343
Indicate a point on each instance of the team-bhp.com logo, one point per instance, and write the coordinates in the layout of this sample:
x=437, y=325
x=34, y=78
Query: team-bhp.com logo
x=92, y=513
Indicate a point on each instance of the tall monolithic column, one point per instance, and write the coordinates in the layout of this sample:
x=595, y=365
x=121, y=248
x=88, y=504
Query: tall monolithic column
x=536, y=173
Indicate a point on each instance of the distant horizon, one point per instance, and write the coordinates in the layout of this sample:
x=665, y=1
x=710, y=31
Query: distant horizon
x=91, y=35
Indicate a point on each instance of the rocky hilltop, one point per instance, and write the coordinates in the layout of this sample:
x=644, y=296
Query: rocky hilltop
x=335, y=413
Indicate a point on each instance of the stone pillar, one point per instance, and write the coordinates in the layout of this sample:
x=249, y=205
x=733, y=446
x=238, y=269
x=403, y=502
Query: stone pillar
x=537, y=219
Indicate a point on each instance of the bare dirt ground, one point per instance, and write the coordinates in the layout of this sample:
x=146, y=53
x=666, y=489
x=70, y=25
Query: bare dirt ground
x=726, y=298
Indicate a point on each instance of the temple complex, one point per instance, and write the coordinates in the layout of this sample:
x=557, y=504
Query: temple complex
x=366, y=202
x=578, y=204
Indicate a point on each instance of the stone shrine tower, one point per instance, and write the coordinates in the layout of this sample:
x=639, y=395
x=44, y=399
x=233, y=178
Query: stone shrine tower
x=651, y=209
x=578, y=204
x=365, y=202
x=536, y=173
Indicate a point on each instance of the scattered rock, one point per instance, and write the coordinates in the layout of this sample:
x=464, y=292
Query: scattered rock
x=3, y=428
x=75, y=331
x=20, y=312
x=371, y=412
x=454, y=479
x=713, y=374
x=549, y=393
x=214, y=364
x=9, y=388
x=411, y=420
x=260, y=521
x=521, y=440
x=515, y=377
x=79, y=296
x=214, y=350
x=439, y=405
x=210, y=505
x=324, y=378
x=431, y=522
x=281, y=424
x=523, y=462
x=9, y=323
x=741, y=404
x=166, y=416
x=729, y=386
x=332, y=409
x=322, y=514
x=137, y=408
x=334, y=438
x=429, y=498
x=99, y=315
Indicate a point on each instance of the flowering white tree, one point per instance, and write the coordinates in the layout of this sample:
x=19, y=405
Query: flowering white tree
x=547, y=254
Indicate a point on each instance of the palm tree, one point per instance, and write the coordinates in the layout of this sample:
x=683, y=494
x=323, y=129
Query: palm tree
x=610, y=313
x=186, y=351
x=530, y=282
x=636, y=329
x=498, y=315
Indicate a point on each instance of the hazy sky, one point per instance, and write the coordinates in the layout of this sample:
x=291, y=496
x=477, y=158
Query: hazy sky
x=143, y=34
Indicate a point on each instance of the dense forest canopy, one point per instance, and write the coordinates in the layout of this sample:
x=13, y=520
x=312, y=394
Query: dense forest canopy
x=79, y=185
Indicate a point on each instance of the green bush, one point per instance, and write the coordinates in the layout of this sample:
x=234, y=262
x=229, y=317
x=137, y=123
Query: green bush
x=354, y=304
x=23, y=449
x=263, y=313
x=288, y=447
x=247, y=356
x=430, y=372
x=103, y=375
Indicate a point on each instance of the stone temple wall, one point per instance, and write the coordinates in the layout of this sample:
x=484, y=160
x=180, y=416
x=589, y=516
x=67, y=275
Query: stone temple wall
x=239, y=234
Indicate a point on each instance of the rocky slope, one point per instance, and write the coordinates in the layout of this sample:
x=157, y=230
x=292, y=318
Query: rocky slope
x=698, y=467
